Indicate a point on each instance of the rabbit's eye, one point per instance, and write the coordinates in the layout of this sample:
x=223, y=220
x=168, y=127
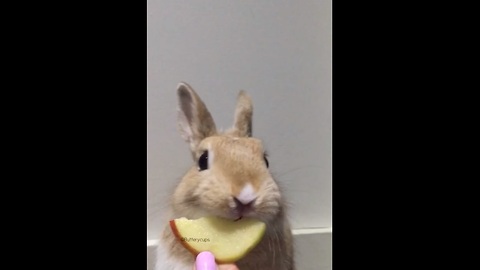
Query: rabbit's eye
x=266, y=160
x=203, y=161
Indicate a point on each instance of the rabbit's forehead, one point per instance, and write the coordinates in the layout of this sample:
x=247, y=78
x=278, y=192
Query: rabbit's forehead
x=238, y=161
x=231, y=145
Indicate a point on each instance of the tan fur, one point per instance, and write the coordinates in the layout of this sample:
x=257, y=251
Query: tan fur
x=195, y=121
x=242, y=125
x=236, y=159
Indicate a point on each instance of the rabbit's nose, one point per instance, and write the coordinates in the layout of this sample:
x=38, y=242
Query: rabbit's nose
x=246, y=195
x=243, y=202
x=243, y=206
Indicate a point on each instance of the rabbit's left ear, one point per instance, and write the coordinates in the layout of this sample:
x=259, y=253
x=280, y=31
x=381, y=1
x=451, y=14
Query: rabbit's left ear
x=194, y=120
x=242, y=126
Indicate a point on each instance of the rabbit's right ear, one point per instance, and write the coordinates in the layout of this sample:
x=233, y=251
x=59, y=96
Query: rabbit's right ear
x=194, y=120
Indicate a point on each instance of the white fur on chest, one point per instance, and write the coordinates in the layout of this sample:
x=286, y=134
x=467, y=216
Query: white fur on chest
x=165, y=262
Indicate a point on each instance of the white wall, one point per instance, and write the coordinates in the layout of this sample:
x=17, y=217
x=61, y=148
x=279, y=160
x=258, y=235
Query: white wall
x=280, y=53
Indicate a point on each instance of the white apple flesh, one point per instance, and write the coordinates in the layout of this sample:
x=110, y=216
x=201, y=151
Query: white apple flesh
x=228, y=240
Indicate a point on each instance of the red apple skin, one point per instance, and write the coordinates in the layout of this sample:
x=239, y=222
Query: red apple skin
x=184, y=243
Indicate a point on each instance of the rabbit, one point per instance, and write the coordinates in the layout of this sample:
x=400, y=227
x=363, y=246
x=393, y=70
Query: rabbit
x=230, y=179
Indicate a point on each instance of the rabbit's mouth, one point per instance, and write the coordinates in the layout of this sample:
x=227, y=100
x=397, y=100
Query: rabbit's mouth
x=241, y=209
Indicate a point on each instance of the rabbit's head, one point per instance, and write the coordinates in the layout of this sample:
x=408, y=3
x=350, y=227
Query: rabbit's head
x=230, y=176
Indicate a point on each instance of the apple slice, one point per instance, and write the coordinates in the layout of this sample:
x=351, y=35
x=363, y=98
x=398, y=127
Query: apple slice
x=228, y=240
